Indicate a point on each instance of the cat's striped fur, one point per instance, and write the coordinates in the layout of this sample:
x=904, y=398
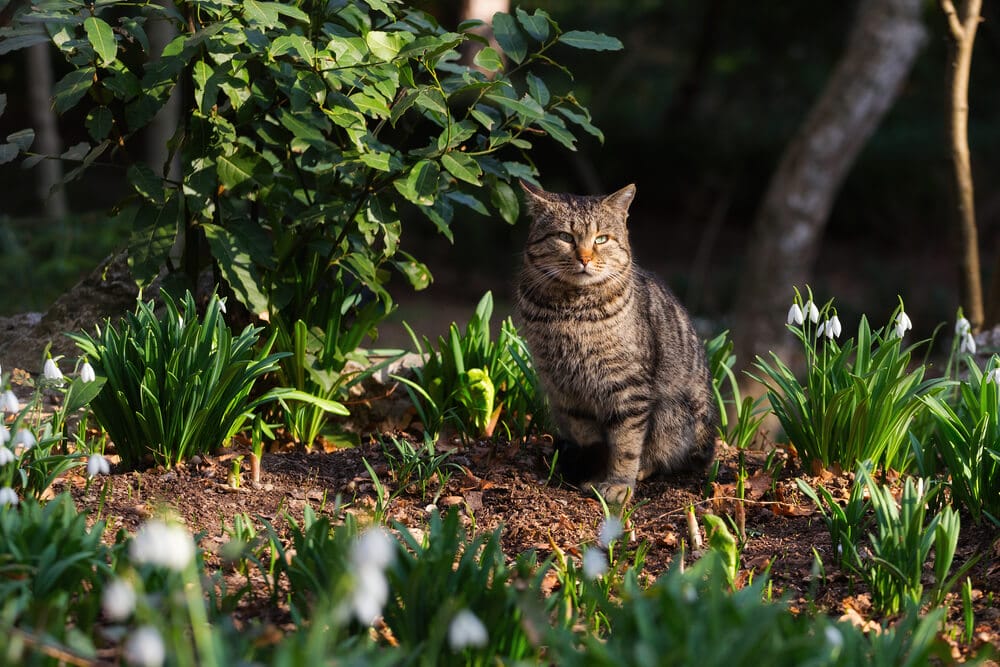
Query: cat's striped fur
x=623, y=368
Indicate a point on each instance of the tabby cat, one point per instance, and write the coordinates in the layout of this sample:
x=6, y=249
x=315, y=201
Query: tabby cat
x=623, y=368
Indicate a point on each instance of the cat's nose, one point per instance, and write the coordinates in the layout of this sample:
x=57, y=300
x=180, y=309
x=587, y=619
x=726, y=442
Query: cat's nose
x=584, y=256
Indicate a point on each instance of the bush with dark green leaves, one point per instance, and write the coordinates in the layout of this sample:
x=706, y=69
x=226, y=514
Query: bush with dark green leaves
x=309, y=132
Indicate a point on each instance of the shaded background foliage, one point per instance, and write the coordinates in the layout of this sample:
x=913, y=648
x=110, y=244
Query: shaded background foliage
x=696, y=111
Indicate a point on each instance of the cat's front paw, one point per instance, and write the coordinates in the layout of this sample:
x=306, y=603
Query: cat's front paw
x=616, y=493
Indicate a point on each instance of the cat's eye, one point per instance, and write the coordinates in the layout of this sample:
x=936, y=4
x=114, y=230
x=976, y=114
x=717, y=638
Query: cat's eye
x=603, y=238
x=567, y=237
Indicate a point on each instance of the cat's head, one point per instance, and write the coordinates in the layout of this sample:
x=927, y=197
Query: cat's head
x=575, y=239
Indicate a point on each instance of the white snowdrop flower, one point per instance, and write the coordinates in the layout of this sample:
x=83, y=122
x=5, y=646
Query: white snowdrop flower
x=8, y=496
x=795, y=315
x=118, y=600
x=993, y=376
x=833, y=637
x=180, y=322
x=4, y=434
x=595, y=563
x=145, y=647
x=920, y=488
x=87, y=373
x=968, y=344
x=51, y=371
x=374, y=547
x=903, y=324
x=371, y=591
x=611, y=530
x=835, y=327
x=160, y=543
x=465, y=630
x=97, y=465
x=24, y=438
x=371, y=553
x=811, y=311
x=689, y=593
x=9, y=402
x=962, y=327
x=222, y=306
x=6, y=456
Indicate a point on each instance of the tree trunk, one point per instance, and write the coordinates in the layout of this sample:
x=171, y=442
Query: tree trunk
x=484, y=11
x=47, y=140
x=881, y=48
x=962, y=25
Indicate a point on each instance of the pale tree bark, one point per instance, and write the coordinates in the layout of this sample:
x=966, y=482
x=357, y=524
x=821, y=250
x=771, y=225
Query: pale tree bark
x=49, y=172
x=883, y=43
x=962, y=24
x=484, y=11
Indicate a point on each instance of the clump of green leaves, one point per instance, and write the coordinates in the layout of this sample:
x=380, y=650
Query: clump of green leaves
x=966, y=437
x=858, y=400
x=475, y=383
x=177, y=385
x=310, y=134
x=50, y=560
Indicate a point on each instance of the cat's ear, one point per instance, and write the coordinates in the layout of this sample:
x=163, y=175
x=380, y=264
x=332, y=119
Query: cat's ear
x=535, y=198
x=622, y=199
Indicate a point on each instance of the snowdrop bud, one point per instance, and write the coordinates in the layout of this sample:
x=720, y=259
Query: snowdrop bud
x=466, y=629
x=97, y=465
x=968, y=344
x=159, y=543
x=6, y=456
x=595, y=563
x=222, y=306
x=51, y=370
x=611, y=530
x=4, y=434
x=8, y=496
x=812, y=311
x=962, y=327
x=180, y=322
x=9, y=402
x=145, y=648
x=903, y=324
x=795, y=315
x=993, y=376
x=920, y=488
x=24, y=438
x=87, y=373
x=118, y=600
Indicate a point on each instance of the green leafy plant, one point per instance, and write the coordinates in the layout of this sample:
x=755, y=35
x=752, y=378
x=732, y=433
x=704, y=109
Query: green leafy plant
x=689, y=617
x=903, y=541
x=747, y=413
x=966, y=438
x=417, y=465
x=858, y=400
x=178, y=385
x=847, y=524
x=310, y=134
x=50, y=559
x=475, y=383
x=437, y=578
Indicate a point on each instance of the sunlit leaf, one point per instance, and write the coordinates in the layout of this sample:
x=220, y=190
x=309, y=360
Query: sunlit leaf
x=462, y=166
x=488, y=59
x=68, y=91
x=102, y=38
